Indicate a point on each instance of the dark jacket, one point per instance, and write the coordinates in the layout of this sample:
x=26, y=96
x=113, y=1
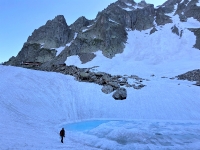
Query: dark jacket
x=62, y=132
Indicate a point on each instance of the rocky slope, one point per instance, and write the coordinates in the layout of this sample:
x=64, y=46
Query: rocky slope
x=193, y=75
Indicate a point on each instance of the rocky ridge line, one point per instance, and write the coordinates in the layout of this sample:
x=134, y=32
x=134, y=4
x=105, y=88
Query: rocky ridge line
x=107, y=32
x=193, y=75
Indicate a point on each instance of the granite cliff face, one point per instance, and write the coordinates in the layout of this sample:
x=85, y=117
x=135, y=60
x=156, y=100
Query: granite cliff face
x=54, y=33
x=33, y=52
x=107, y=32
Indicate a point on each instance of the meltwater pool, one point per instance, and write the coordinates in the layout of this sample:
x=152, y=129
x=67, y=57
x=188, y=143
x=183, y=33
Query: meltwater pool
x=135, y=134
x=84, y=125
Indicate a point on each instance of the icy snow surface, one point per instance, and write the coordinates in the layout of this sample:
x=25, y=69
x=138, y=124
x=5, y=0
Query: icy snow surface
x=113, y=21
x=75, y=35
x=130, y=135
x=84, y=30
x=59, y=50
x=128, y=4
x=34, y=105
x=165, y=114
x=198, y=4
x=131, y=8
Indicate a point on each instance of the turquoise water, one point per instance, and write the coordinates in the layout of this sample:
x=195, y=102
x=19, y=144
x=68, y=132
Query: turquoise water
x=126, y=135
x=85, y=125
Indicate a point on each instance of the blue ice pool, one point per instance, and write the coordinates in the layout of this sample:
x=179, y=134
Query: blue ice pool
x=85, y=125
x=135, y=134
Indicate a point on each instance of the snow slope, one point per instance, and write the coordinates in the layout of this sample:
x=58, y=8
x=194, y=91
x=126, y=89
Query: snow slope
x=34, y=105
x=162, y=53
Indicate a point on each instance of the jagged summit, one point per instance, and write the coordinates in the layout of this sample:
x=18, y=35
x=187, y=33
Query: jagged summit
x=126, y=1
x=130, y=5
x=80, y=23
x=54, y=33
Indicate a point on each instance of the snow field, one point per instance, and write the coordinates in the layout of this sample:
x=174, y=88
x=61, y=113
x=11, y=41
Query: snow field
x=123, y=135
x=35, y=105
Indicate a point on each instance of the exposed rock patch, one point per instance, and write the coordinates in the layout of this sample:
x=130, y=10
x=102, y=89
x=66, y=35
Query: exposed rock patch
x=197, y=83
x=107, y=89
x=80, y=23
x=161, y=17
x=192, y=10
x=175, y=30
x=109, y=83
x=32, y=53
x=86, y=57
x=197, y=34
x=139, y=16
x=120, y=94
x=153, y=30
x=53, y=34
x=191, y=76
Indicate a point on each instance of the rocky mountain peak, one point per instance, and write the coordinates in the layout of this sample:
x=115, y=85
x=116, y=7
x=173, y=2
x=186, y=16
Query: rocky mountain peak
x=107, y=32
x=80, y=23
x=53, y=34
x=58, y=19
x=184, y=8
x=142, y=3
x=126, y=1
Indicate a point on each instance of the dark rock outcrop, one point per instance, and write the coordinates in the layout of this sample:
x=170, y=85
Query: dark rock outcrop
x=110, y=83
x=80, y=23
x=175, y=30
x=192, y=10
x=197, y=33
x=197, y=83
x=86, y=57
x=107, y=89
x=190, y=76
x=53, y=34
x=120, y=94
x=153, y=30
x=32, y=53
x=131, y=15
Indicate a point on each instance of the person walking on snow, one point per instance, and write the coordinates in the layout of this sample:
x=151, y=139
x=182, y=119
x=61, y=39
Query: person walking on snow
x=62, y=134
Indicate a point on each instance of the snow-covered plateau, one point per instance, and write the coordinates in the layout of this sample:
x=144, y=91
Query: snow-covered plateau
x=165, y=114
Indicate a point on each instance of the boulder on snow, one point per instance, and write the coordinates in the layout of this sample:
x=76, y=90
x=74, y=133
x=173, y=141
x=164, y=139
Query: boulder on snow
x=106, y=78
x=197, y=83
x=153, y=30
x=175, y=30
x=84, y=75
x=114, y=84
x=120, y=94
x=107, y=89
x=138, y=87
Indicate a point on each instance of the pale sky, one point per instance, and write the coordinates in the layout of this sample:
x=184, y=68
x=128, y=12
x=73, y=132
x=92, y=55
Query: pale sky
x=19, y=18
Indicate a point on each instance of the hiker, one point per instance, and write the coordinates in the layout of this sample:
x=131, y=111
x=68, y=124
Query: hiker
x=62, y=134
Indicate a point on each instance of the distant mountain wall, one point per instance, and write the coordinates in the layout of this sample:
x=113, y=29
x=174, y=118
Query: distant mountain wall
x=107, y=32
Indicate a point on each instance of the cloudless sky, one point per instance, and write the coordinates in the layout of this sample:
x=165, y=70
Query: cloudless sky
x=19, y=18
